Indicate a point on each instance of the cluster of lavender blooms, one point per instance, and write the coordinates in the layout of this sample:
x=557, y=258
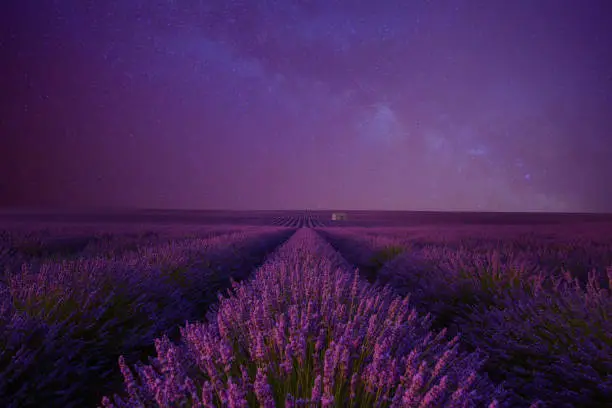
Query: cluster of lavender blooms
x=65, y=323
x=308, y=331
x=547, y=335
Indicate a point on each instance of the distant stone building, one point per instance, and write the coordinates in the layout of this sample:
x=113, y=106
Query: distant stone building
x=338, y=216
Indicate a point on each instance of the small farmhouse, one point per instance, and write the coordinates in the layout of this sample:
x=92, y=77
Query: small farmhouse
x=338, y=216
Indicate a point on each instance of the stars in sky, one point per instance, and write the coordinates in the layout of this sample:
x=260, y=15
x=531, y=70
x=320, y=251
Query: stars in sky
x=413, y=105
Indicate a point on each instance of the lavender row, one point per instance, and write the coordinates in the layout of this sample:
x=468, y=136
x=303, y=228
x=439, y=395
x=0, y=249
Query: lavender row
x=305, y=220
x=63, y=325
x=308, y=331
x=22, y=243
x=578, y=248
x=547, y=335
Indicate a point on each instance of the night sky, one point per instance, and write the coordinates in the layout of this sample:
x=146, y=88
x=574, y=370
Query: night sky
x=488, y=105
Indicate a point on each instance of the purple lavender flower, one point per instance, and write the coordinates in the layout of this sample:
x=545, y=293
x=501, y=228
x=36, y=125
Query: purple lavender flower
x=316, y=393
x=263, y=390
x=236, y=395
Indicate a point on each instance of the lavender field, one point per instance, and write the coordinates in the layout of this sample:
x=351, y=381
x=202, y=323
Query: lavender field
x=287, y=309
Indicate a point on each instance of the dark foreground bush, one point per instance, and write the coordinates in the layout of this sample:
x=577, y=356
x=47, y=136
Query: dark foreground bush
x=64, y=324
x=545, y=337
x=555, y=345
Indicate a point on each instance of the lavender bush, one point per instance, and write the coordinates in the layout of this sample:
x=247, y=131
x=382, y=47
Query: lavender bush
x=103, y=308
x=554, y=344
x=553, y=249
x=527, y=323
x=547, y=334
x=446, y=282
x=306, y=330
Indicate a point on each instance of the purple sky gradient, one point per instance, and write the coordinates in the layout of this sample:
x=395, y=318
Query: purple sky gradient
x=383, y=105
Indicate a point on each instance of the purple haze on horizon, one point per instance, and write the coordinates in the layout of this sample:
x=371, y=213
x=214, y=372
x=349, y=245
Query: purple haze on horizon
x=383, y=105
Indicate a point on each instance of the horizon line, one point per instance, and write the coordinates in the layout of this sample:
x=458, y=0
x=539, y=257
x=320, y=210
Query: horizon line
x=86, y=210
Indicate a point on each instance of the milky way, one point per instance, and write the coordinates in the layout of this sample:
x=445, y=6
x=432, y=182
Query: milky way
x=397, y=105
